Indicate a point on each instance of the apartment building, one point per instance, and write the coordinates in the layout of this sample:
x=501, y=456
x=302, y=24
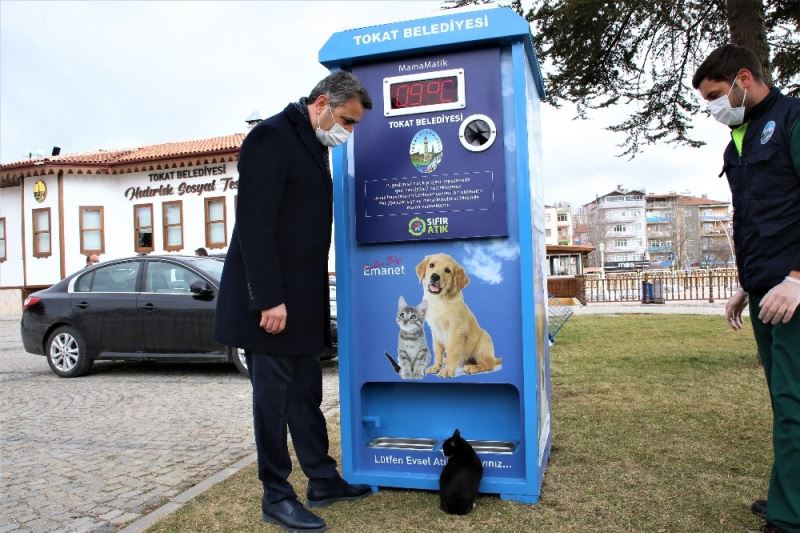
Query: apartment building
x=615, y=224
x=633, y=230
x=558, y=224
x=687, y=231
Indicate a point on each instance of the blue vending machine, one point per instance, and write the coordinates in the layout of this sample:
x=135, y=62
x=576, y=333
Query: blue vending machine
x=439, y=234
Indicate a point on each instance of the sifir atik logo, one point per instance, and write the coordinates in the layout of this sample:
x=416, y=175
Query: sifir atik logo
x=418, y=227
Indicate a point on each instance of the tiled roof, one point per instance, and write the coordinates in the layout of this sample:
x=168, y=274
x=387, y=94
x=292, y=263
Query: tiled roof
x=226, y=143
x=581, y=228
x=110, y=158
x=685, y=199
x=693, y=200
x=100, y=157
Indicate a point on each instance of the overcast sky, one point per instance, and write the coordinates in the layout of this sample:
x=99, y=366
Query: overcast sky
x=104, y=75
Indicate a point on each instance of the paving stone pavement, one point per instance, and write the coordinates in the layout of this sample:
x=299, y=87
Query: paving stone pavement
x=95, y=453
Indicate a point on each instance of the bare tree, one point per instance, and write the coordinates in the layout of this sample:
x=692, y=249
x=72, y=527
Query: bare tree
x=596, y=221
x=680, y=241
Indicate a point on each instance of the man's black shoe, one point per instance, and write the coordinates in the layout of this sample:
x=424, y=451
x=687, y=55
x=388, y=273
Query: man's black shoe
x=338, y=491
x=291, y=516
x=759, y=508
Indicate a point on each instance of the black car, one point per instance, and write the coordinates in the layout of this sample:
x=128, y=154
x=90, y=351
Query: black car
x=139, y=308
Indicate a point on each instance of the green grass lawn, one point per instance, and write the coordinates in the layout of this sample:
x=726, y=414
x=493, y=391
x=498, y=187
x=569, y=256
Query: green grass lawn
x=660, y=423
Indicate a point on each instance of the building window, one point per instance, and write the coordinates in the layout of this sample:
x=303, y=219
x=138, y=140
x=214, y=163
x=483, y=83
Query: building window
x=2, y=239
x=216, y=230
x=41, y=232
x=143, y=228
x=619, y=228
x=621, y=243
x=562, y=218
x=91, y=224
x=173, y=225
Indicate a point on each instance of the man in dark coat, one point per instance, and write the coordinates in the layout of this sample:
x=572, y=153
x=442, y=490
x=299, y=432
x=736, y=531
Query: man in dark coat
x=273, y=299
x=762, y=164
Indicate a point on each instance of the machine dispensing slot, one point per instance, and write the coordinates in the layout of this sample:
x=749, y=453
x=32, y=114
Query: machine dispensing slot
x=477, y=133
x=493, y=446
x=399, y=443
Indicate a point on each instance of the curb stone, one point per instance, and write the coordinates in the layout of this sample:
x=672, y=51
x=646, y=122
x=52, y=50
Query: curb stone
x=188, y=495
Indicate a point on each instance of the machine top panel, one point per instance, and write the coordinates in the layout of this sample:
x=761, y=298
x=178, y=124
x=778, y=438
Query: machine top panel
x=453, y=29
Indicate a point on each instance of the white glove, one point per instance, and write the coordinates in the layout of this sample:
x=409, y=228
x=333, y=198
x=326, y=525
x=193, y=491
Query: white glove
x=780, y=302
x=734, y=308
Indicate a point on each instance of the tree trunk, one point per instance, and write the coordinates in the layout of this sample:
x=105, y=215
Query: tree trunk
x=746, y=24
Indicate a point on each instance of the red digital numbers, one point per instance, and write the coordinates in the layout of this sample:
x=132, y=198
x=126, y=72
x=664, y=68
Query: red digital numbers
x=424, y=92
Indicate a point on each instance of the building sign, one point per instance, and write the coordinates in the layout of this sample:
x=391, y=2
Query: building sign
x=39, y=191
x=177, y=184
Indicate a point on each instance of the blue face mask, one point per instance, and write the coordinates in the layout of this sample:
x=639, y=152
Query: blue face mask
x=722, y=110
x=334, y=136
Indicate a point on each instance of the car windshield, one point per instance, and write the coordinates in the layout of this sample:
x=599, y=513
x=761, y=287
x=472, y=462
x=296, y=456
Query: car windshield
x=210, y=266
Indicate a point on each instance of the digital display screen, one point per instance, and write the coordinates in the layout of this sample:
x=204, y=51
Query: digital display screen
x=424, y=92
x=416, y=93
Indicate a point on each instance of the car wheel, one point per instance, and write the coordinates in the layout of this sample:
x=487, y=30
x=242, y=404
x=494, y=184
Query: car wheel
x=66, y=353
x=236, y=356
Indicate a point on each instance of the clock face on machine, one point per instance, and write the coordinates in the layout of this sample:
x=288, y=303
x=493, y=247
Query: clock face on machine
x=424, y=93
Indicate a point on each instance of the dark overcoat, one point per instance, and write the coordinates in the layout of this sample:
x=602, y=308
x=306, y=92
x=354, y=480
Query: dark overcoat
x=279, y=248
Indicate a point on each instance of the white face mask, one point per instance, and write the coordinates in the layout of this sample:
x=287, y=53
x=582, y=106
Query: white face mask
x=334, y=136
x=722, y=110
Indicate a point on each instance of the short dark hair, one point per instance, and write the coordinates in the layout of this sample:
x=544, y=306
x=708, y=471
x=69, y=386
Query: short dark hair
x=723, y=63
x=201, y=251
x=341, y=87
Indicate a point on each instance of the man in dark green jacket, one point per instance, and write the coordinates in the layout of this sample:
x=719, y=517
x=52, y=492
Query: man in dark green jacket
x=762, y=164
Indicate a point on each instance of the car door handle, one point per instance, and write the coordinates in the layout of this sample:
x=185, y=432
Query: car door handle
x=82, y=305
x=148, y=307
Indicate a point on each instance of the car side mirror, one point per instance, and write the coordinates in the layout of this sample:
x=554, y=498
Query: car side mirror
x=201, y=289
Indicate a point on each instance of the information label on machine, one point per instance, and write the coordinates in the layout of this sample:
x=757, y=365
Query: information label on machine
x=434, y=172
x=451, y=192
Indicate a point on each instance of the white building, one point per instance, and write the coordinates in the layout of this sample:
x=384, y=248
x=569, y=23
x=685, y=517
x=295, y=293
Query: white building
x=558, y=224
x=165, y=198
x=616, y=226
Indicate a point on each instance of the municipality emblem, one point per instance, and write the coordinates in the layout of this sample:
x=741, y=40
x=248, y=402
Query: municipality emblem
x=766, y=133
x=39, y=191
x=426, y=150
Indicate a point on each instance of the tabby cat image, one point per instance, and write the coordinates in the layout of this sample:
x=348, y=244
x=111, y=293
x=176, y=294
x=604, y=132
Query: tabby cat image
x=413, y=356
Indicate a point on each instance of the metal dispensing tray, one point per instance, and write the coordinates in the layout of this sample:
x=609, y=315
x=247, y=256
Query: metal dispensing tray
x=403, y=443
x=422, y=444
x=493, y=446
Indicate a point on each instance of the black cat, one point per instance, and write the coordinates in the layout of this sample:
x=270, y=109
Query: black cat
x=458, y=484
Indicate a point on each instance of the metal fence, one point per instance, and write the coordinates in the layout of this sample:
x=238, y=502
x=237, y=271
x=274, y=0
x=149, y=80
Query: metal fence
x=709, y=285
x=557, y=315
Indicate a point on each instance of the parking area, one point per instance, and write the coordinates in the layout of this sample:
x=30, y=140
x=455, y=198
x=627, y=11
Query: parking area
x=97, y=452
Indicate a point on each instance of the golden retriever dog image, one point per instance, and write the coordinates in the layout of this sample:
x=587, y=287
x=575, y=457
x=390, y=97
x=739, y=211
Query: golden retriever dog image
x=458, y=340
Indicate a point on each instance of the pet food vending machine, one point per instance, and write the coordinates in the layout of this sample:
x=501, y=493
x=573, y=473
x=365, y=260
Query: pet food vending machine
x=439, y=235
